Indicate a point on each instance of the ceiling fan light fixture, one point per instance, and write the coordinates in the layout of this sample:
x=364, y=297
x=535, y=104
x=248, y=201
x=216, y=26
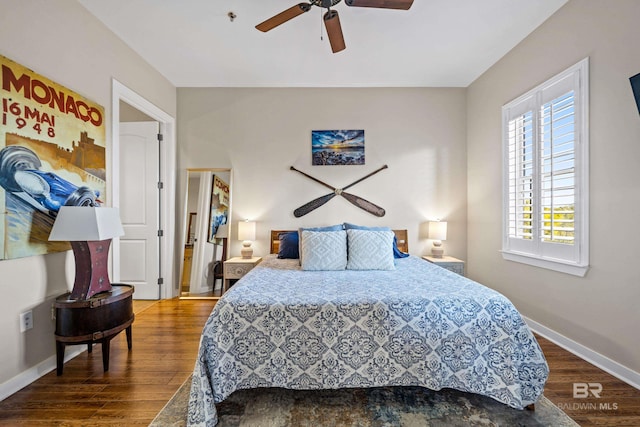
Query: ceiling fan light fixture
x=334, y=31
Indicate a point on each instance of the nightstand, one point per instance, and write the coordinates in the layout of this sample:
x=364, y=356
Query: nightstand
x=235, y=268
x=448, y=262
x=95, y=320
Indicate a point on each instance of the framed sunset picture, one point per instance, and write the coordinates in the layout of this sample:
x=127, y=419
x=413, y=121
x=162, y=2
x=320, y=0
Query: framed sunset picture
x=337, y=147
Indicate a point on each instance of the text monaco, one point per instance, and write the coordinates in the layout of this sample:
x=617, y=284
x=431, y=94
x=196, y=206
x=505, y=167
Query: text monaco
x=38, y=91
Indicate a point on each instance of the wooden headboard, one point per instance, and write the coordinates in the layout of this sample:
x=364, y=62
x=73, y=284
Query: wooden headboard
x=401, y=235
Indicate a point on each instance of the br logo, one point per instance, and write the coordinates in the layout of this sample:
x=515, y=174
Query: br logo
x=583, y=390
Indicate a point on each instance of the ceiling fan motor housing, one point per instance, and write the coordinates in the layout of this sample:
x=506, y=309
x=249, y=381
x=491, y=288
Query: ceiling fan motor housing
x=326, y=4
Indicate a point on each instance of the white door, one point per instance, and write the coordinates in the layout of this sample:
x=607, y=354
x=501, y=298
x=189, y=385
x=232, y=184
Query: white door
x=139, y=208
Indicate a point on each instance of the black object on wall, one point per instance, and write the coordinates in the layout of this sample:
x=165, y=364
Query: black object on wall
x=635, y=86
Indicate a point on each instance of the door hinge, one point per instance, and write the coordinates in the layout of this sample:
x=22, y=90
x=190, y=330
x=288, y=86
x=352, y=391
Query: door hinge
x=160, y=137
x=160, y=233
x=160, y=185
x=160, y=281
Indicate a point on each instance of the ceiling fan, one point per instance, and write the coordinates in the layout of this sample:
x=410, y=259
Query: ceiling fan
x=331, y=18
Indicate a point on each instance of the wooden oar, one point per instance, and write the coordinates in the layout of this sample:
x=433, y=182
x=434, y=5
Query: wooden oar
x=364, y=204
x=314, y=204
x=356, y=200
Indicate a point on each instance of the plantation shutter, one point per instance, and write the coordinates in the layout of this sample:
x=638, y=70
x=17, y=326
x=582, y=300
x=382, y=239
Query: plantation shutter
x=521, y=184
x=558, y=170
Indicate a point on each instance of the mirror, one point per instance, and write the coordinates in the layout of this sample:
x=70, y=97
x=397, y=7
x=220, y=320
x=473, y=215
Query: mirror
x=205, y=243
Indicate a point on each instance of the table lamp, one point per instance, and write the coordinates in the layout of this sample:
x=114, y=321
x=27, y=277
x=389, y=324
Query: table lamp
x=222, y=232
x=223, y=235
x=90, y=230
x=246, y=233
x=437, y=232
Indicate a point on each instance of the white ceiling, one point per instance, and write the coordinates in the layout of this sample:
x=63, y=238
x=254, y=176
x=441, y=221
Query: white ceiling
x=193, y=43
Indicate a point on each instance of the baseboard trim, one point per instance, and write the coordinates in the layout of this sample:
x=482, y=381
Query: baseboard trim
x=25, y=378
x=603, y=362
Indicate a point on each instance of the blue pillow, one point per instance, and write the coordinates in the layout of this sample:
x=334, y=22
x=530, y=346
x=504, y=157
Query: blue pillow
x=337, y=227
x=288, y=247
x=349, y=226
x=396, y=252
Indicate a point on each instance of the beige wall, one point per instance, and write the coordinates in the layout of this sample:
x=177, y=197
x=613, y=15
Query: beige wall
x=131, y=114
x=62, y=41
x=419, y=133
x=599, y=311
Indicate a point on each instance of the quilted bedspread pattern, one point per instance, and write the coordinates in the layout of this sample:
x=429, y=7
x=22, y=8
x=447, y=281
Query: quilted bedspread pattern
x=418, y=325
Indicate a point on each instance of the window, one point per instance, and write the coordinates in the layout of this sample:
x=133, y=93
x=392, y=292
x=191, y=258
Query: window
x=545, y=166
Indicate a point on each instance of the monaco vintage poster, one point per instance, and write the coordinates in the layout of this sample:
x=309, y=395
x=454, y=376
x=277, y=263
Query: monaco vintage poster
x=52, y=153
x=219, y=209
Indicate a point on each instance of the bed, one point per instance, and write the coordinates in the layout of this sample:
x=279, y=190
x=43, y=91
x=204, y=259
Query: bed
x=414, y=324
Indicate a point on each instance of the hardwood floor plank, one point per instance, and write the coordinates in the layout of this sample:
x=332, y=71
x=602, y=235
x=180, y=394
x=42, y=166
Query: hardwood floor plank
x=166, y=336
x=618, y=404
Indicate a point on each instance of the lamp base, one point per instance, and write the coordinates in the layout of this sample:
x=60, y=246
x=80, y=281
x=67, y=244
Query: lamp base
x=247, y=250
x=92, y=276
x=437, y=251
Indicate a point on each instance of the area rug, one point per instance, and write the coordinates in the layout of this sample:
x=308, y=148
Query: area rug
x=371, y=407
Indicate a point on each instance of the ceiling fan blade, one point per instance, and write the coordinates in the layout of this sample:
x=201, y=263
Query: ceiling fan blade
x=381, y=4
x=283, y=17
x=334, y=31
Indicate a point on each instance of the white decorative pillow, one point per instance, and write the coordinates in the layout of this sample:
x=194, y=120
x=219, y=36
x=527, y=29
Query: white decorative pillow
x=323, y=250
x=337, y=227
x=370, y=250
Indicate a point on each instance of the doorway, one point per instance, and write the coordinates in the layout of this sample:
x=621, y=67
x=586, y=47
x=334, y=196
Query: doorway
x=163, y=257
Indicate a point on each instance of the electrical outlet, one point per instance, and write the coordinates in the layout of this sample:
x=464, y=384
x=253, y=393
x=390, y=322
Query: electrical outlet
x=26, y=321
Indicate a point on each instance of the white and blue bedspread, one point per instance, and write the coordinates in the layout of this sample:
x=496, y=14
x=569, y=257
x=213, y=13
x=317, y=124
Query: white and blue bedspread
x=419, y=325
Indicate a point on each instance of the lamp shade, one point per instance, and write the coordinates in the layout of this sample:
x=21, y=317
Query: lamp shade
x=438, y=230
x=247, y=230
x=223, y=231
x=85, y=223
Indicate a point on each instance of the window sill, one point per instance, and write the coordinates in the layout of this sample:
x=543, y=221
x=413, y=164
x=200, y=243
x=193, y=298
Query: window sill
x=549, y=264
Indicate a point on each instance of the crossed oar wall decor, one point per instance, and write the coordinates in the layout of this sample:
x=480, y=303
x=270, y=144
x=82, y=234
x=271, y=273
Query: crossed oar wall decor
x=356, y=200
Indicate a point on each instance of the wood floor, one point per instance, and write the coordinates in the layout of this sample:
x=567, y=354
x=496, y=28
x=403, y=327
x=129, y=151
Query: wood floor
x=618, y=404
x=165, y=343
x=136, y=387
